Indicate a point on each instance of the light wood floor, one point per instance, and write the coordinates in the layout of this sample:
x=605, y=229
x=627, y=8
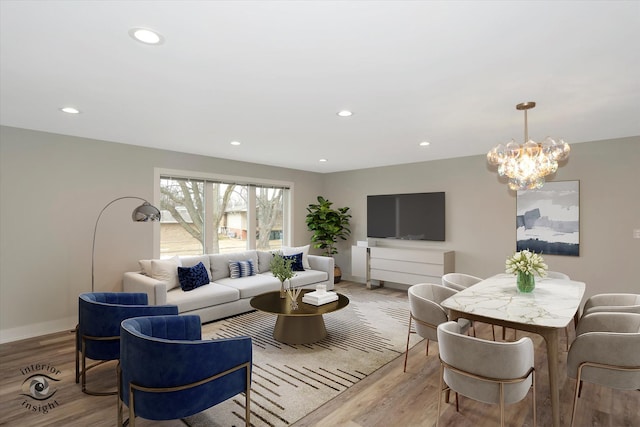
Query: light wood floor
x=389, y=397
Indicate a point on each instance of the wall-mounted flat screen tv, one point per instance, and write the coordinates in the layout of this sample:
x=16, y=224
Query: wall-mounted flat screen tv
x=416, y=216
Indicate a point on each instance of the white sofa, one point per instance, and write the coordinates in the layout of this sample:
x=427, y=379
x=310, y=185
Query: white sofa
x=223, y=296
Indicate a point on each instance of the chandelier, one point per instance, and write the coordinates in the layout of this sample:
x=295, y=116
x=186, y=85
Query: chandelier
x=527, y=164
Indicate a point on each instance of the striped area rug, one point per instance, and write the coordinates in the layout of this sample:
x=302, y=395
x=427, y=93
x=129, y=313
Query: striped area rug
x=290, y=381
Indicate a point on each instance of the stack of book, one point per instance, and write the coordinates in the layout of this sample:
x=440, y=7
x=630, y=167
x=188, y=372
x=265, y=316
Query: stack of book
x=319, y=298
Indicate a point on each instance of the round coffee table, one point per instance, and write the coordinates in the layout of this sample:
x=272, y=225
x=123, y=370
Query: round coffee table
x=304, y=325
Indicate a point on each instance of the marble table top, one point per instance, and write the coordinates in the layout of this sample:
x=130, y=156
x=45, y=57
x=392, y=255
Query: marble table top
x=553, y=302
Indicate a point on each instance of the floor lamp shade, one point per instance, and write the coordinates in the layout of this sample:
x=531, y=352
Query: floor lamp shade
x=146, y=212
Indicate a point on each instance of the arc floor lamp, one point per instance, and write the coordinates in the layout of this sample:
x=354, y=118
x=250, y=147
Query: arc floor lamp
x=146, y=212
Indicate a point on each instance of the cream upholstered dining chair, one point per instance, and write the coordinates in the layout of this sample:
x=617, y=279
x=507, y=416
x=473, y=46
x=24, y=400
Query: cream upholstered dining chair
x=606, y=351
x=487, y=371
x=459, y=281
x=427, y=313
x=557, y=275
x=620, y=303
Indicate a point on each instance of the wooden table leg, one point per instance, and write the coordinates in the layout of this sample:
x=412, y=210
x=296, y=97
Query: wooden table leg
x=551, y=338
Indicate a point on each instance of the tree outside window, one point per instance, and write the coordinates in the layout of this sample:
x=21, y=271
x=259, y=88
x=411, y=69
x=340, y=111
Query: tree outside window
x=200, y=216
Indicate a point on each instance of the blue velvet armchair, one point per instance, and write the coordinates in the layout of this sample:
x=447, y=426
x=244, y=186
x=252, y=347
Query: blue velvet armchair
x=98, y=330
x=167, y=372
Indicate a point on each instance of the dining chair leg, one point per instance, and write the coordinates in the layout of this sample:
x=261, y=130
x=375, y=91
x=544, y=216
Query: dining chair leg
x=440, y=393
x=533, y=386
x=501, y=404
x=493, y=332
x=427, y=352
x=406, y=353
x=576, y=395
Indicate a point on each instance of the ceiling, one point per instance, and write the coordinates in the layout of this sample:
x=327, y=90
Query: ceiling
x=273, y=75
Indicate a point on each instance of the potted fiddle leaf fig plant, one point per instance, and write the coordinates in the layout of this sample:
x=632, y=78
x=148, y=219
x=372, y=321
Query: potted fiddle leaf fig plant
x=328, y=225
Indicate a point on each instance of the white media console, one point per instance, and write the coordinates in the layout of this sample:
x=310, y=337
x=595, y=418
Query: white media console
x=400, y=264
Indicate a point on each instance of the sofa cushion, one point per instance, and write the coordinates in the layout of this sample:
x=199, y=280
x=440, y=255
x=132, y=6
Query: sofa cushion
x=296, y=265
x=192, y=277
x=264, y=261
x=308, y=277
x=238, y=269
x=286, y=250
x=220, y=262
x=166, y=270
x=204, y=296
x=253, y=285
x=190, y=261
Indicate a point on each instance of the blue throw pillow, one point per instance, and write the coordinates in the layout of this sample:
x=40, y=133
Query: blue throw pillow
x=296, y=265
x=193, y=277
x=239, y=269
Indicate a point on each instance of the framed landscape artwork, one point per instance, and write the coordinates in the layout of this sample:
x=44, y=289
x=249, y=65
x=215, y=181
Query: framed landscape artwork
x=548, y=219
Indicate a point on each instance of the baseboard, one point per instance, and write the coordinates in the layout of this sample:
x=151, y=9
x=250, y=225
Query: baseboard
x=400, y=286
x=37, y=329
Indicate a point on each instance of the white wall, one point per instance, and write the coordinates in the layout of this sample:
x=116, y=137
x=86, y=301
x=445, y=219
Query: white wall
x=52, y=188
x=480, y=211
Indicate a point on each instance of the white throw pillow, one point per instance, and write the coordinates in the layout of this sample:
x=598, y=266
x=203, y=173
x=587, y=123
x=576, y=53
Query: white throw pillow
x=286, y=250
x=145, y=266
x=166, y=270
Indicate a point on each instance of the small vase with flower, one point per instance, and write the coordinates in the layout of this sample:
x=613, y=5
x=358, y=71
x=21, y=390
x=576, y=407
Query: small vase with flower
x=282, y=269
x=526, y=264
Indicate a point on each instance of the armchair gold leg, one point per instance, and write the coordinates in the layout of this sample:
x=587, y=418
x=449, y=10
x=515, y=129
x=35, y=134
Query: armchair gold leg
x=132, y=411
x=75, y=344
x=83, y=372
x=247, y=401
x=119, y=403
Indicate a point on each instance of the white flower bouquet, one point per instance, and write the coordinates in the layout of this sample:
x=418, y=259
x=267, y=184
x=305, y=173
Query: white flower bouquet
x=526, y=262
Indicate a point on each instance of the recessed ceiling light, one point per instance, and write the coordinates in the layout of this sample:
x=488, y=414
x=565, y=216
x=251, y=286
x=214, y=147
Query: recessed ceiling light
x=345, y=113
x=425, y=144
x=322, y=160
x=147, y=36
x=70, y=110
x=235, y=142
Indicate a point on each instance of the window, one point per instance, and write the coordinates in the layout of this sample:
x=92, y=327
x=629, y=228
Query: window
x=200, y=215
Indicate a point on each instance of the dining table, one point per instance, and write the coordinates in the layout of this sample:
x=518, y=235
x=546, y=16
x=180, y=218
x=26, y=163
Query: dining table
x=551, y=306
